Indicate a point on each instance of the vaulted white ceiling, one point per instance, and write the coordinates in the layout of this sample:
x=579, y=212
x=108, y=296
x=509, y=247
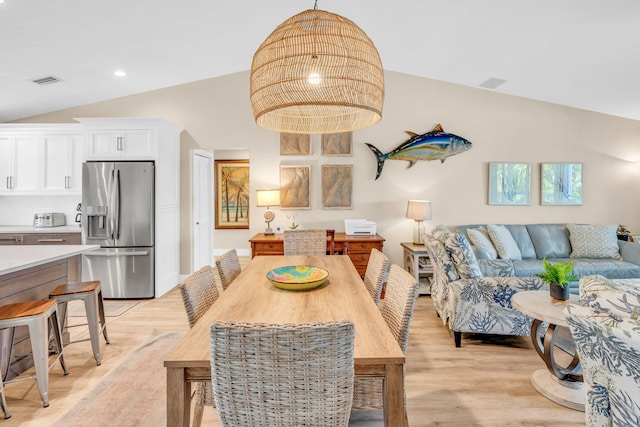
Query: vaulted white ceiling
x=579, y=53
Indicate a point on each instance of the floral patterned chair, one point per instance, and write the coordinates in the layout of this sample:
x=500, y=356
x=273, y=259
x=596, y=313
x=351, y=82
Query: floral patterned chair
x=468, y=300
x=606, y=328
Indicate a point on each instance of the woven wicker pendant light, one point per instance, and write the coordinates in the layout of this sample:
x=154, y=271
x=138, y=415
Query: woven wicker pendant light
x=317, y=73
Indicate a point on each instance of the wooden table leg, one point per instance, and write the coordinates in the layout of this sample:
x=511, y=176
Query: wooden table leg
x=394, y=408
x=178, y=398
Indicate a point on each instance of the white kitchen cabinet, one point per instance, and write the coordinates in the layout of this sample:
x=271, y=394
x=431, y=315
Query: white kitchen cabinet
x=111, y=144
x=19, y=163
x=63, y=155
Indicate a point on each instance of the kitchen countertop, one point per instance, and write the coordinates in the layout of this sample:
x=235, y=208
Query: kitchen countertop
x=25, y=229
x=16, y=258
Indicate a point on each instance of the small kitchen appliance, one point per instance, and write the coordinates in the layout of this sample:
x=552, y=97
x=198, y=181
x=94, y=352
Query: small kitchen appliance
x=53, y=219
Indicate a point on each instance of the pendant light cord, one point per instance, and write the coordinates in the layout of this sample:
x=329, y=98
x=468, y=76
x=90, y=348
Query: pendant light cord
x=315, y=5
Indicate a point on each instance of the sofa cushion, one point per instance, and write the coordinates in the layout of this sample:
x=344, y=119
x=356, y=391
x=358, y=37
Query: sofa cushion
x=462, y=256
x=593, y=241
x=521, y=236
x=611, y=268
x=550, y=240
x=480, y=238
x=503, y=241
x=527, y=267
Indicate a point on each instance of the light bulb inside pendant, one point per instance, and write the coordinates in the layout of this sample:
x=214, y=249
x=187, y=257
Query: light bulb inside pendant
x=314, y=79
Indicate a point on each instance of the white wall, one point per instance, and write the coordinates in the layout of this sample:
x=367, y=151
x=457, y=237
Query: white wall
x=216, y=115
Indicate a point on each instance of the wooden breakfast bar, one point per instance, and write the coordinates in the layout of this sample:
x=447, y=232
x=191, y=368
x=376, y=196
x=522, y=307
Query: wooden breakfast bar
x=29, y=272
x=252, y=298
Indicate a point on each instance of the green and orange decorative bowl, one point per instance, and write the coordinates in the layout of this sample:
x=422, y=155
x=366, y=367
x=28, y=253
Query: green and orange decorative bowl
x=298, y=277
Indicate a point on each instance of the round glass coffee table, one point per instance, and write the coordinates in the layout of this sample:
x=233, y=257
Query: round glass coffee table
x=561, y=384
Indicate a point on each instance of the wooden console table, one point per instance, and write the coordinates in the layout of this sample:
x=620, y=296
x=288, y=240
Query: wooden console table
x=358, y=248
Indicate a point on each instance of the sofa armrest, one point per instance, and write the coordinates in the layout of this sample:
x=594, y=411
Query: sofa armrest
x=618, y=297
x=630, y=251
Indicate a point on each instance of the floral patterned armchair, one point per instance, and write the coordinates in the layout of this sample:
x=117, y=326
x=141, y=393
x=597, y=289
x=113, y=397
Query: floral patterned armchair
x=465, y=298
x=606, y=328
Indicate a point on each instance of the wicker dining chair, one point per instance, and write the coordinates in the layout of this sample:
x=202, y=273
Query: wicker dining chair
x=199, y=291
x=305, y=242
x=397, y=310
x=282, y=375
x=228, y=265
x=375, y=274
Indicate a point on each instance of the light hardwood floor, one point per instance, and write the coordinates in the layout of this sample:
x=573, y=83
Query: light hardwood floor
x=484, y=383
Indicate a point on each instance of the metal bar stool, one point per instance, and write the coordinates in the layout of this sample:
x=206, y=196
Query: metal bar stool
x=91, y=294
x=35, y=315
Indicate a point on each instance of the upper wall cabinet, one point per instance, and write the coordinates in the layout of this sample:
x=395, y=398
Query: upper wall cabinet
x=41, y=159
x=63, y=155
x=19, y=162
x=108, y=144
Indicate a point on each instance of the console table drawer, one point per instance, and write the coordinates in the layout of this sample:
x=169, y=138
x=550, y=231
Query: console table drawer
x=268, y=248
x=356, y=247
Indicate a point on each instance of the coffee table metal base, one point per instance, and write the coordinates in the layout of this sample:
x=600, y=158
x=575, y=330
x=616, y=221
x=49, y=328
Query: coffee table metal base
x=566, y=393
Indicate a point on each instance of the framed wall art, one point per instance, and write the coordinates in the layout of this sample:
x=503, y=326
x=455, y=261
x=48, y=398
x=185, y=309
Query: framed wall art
x=295, y=144
x=295, y=187
x=510, y=184
x=337, y=186
x=337, y=144
x=232, y=193
x=561, y=184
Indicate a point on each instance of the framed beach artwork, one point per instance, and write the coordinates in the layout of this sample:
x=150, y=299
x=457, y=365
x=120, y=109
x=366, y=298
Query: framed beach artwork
x=232, y=193
x=561, y=184
x=510, y=184
x=337, y=144
x=337, y=186
x=295, y=186
x=295, y=144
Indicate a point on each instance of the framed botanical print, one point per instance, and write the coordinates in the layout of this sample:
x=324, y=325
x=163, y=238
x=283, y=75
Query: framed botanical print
x=295, y=144
x=337, y=144
x=295, y=187
x=561, y=184
x=510, y=184
x=337, y=186
x=232, y=193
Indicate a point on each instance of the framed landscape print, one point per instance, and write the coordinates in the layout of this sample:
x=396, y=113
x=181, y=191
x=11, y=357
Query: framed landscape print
x=295, y=187
x=337, y=186
x=337, y=144
x=561, y=184
x=510, y=184
x=232, y=193
x=294, y=144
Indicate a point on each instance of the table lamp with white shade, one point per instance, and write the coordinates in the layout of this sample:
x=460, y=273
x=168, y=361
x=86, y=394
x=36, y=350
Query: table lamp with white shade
x=268, y=198
x=418, y=210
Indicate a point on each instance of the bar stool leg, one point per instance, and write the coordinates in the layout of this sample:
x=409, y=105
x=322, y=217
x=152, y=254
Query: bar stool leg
x=103, y=321
x=40, y=350
x=57, y=333
x=91, y=307
x=3, y=402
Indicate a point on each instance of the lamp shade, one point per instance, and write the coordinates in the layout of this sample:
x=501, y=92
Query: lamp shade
x=268, y=198
x=419, y=210
x=317, y=73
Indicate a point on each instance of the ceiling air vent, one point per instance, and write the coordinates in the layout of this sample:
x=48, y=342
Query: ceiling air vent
x=47, y=80
x=493, y=83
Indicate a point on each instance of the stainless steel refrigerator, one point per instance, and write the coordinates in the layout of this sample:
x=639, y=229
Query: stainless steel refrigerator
x=118, y=214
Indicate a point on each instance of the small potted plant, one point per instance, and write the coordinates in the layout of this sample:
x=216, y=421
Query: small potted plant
x=558, y=276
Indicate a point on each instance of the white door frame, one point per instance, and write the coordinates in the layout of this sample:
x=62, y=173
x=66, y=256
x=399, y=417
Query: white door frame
x=196, y=218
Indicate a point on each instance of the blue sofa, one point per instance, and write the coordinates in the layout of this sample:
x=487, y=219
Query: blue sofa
x=472, y=292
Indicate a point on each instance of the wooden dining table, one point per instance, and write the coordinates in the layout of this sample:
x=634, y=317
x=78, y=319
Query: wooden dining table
x=252, y=298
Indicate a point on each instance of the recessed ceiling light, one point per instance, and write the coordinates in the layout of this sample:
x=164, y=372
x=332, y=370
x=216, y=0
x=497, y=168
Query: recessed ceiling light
x=118, y=73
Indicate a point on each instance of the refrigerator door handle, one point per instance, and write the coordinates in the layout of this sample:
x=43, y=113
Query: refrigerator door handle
x=111, y=211
x=116, y=211
x=117, y=254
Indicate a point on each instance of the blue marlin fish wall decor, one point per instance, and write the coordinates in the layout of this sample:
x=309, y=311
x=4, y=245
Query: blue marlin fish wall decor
x=433, y=145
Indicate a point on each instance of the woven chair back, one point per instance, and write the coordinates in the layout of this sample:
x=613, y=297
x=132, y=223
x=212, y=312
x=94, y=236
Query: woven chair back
x=282, y=375
x=199, y=292
x=228, y=265
x=374, y=276
x=305, y=242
